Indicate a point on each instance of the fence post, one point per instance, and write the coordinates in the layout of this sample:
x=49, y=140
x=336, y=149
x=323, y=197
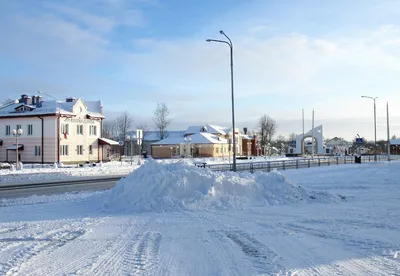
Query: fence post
x=319, y=162
x=269, y=166
x=297, y=163
x=251, y=168
x=369, y=158
x=309, y=165
x=337, y=160
x=329, y=161
x=345, y=159
x=283, y=165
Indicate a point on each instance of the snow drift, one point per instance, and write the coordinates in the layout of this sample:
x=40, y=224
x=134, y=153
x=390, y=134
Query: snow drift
x=181, y=186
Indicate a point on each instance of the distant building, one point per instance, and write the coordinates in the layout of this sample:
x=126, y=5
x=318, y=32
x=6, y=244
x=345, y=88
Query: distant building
x=202, y=141
x=338, y=145
x=394, y=146
x=53, y=131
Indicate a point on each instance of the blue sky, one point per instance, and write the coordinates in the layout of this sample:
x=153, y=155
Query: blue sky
x=288, y=55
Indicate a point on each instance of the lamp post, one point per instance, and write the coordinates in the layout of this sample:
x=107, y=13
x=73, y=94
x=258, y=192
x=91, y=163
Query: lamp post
x=58, y=124
x=17, y=133
x=373, y=98
x=229, y=43
x=129, y=138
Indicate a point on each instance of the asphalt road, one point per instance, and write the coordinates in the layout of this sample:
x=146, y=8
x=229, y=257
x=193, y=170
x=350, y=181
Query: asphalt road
x=14, y=191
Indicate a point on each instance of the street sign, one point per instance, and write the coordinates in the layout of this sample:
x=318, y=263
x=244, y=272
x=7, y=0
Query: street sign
x=359, y=141
x=121, y=143
x=293, y=143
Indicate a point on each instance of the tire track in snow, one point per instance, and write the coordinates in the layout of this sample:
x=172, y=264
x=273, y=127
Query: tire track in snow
x=48, y=242
x=381, y=262
x=143, y=258
x=264, y=260
x=133, y=252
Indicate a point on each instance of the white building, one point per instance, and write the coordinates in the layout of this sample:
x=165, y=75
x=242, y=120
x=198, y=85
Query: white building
x=53, y=131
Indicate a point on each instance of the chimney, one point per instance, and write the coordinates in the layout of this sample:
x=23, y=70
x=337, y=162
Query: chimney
x=39, y=101
x=70, y=99
x=28, y=100
x=23, y=99
x=245, y=130
x=34, y=100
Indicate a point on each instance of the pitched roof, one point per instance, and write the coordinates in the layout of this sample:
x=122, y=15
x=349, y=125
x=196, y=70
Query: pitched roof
x=51, y=107
x=198, y=138
x=210, y=129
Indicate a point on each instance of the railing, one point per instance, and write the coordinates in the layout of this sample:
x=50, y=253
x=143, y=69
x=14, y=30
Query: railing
x=295, y=163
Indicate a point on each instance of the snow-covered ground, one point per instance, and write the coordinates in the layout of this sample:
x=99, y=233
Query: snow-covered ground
x=176, y=219
x=47, y=173
x=37, y=173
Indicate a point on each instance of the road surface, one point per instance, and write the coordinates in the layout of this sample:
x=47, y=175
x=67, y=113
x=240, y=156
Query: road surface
x=51, y=188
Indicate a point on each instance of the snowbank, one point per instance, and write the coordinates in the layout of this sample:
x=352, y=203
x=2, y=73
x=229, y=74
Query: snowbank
x=179, y=186
x=63, y=173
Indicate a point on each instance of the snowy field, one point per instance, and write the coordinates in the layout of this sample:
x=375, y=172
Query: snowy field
x=176, y=219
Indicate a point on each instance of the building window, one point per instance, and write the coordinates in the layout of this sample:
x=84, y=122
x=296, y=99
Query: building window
x=30, y=129
x=64, y=150
x=19, y=127
x=79, y=150
x=90, y=149
x=38, y=150
x=64, y=129
x=216, y=150
x=8, y=130
x=79, y=129
x=92, y=130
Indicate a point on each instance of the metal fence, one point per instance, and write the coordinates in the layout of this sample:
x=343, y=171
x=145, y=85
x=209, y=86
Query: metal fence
x=295, y=163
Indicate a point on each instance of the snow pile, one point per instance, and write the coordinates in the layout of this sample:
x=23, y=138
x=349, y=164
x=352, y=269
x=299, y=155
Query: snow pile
x=178, y=186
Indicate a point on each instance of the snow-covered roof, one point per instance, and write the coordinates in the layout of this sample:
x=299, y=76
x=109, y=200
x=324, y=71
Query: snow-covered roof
x=394, y=141
x=198, y=138
x=51, y=107
x=109, y=141
x=209, y=128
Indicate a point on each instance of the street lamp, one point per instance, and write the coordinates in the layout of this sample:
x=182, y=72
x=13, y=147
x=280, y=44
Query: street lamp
x=373, y=98
x=229, y=43
x=58, y=123
x=129, y=138
x=17, y=134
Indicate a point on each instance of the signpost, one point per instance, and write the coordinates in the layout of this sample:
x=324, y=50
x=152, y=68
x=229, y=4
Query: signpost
x=359, y=142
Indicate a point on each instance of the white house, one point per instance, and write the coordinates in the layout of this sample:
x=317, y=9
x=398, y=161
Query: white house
x=53, y=131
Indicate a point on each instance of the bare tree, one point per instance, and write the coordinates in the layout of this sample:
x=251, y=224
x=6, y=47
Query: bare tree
x=267, y=129
x=292, y=137
x=161, y=120
x=123, y=124
x=394, y=136
x=109, y=129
